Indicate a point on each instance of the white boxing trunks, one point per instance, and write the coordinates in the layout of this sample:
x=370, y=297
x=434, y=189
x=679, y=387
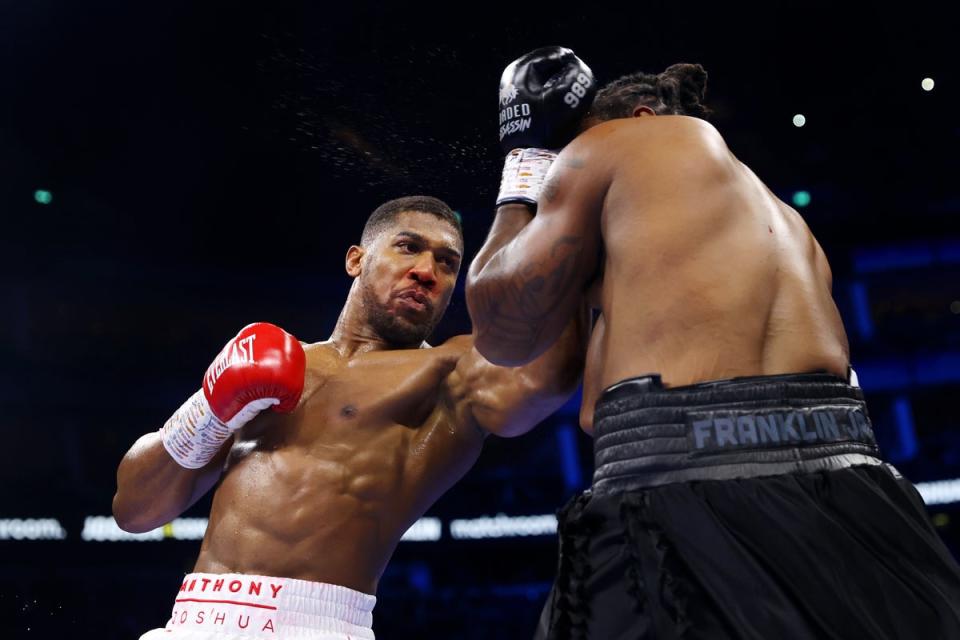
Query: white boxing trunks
x=224, y=606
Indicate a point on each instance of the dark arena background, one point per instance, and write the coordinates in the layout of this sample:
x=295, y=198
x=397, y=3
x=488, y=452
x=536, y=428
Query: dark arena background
x=172, y=171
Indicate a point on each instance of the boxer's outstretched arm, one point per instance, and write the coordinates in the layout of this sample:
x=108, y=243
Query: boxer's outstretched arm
x=525, y=284
x=509, y=401
x=152, y=489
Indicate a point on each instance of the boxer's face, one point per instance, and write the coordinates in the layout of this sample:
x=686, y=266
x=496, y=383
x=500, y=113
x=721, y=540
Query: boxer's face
x=407, y=275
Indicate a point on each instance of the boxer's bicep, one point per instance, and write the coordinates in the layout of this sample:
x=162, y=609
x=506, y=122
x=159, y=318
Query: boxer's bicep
x=499, y=400
x=509, y=401
x=152, y=489
x=513, y=402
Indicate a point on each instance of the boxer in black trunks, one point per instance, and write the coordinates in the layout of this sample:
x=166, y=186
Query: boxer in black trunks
x=738, y=489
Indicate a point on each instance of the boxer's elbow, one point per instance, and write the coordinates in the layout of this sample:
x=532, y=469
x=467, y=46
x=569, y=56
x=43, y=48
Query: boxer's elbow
x=129, y=518
x=503, y=353
x=137, y=514
x=528, y=400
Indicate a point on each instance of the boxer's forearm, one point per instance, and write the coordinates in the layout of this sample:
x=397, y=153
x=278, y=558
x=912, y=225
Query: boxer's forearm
x=500, y=331
x=557, y=371
x=522, y=298
x=509, y=221
x=152, y=489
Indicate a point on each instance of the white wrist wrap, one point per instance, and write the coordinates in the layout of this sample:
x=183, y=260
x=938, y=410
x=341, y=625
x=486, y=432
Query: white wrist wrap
x=524, y=172
x=193, y=435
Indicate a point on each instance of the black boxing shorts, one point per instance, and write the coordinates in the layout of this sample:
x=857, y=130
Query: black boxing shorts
x=751, y=508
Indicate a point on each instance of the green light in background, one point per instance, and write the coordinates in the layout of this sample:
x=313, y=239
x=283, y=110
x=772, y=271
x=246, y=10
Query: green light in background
x=801, y=198
x=459, y=219
x=43, y=196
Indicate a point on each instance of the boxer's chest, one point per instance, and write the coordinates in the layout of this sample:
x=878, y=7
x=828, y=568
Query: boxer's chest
x=370, y=394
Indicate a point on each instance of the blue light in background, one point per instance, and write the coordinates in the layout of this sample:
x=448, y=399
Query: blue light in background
x=569, y=457
x=949, y=252
x=532, y=591
x=938, y=368
x=571, y=408
x=907, y=447
x=419, y=577
x=891, y=258
x=883, y=375
x=861, y=310
x=909, y=371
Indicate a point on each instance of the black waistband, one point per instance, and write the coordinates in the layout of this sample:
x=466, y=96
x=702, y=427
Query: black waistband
x=648, y=435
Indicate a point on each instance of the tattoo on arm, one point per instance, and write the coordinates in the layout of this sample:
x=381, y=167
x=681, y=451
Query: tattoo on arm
x=550, y=189
x=518, y=315
x=553, y=184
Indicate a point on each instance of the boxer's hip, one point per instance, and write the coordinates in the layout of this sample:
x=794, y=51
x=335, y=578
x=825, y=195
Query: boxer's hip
x=647, y=435
x=234, y=605
x=747, y=508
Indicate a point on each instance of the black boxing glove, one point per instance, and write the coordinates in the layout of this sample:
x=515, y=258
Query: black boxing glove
x=544, y=96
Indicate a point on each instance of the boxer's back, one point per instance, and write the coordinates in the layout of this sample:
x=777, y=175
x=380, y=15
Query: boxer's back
x=707, y=275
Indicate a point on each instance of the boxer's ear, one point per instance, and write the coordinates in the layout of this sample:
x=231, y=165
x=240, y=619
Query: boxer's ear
x=354, y=257
x=643, y=110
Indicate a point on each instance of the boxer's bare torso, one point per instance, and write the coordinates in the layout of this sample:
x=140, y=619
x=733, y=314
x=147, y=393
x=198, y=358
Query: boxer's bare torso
x=380, y=431
x=699, y=272
x=326, y=492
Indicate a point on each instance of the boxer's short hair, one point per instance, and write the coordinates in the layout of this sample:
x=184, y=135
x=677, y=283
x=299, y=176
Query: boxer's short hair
x=386, y=213
x=679, y=90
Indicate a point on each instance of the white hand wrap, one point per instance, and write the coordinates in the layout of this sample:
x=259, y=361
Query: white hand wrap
x=193, y=434
x=524, y=172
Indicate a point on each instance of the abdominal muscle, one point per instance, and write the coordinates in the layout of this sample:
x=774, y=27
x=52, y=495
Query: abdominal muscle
x=293, y=514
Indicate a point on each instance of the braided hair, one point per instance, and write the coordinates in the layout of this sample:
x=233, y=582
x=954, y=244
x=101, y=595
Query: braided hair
x=679, y=90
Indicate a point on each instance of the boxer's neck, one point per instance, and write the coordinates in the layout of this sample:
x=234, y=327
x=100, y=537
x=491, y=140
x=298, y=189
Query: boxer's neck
x=353, y=334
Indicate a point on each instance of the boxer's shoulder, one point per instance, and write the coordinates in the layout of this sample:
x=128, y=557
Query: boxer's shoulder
x=323, y=360
x=460, y=344
x=627, y=131
x=322, y=357
x=659, y=147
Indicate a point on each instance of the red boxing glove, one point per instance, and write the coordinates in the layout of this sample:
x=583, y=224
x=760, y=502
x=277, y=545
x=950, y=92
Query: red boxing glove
x=262, y=366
